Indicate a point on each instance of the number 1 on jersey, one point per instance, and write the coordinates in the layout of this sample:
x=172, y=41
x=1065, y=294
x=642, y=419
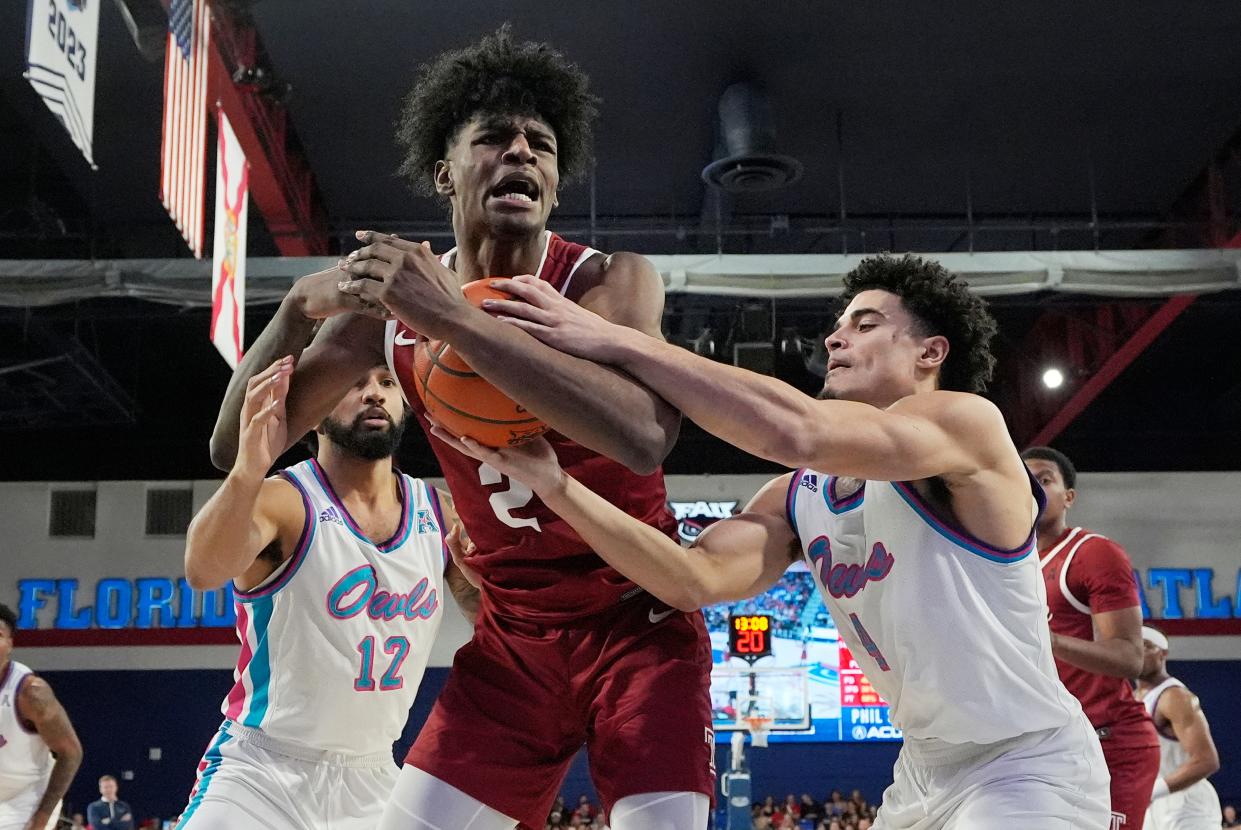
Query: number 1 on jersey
x=398, y=647
x=872, y=648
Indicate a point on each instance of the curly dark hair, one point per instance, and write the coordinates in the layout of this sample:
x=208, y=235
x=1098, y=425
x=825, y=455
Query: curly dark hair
x=943, y=305
x=1068, y=473
x=496, y=76
x=8, y=618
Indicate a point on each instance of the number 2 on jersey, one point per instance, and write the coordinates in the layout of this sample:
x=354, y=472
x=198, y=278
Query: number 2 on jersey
x=398, y=647
x=504, y=502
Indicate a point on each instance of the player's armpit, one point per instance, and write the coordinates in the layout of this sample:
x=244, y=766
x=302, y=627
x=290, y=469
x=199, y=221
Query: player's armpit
x=218, y=547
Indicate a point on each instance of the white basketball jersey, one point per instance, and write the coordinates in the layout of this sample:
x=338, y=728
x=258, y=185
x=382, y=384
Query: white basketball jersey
x=1195, y=801
x=25, y=761
x=950, y=631
x=334, y=644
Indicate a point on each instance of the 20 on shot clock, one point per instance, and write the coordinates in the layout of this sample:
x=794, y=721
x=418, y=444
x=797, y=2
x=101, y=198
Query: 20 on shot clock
x=749, y=636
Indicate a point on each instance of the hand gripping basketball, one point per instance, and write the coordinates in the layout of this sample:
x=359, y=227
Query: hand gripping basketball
x=460, y=399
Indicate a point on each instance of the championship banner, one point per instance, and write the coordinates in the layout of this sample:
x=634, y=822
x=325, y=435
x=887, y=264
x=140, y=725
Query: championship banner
x=60, y=63
x=228, y=266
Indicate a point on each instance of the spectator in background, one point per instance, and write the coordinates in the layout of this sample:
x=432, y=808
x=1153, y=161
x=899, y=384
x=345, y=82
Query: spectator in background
x=810, y=808
x=1230, y=816
x=109, y=812
x=78, y=823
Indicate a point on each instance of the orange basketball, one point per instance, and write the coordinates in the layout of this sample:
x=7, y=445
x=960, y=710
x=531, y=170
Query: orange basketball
x=461, y=400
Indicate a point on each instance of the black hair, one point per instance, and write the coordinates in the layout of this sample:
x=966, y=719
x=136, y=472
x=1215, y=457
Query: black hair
x=9, y=618
x=1067, y=471
x=495, y=76
x=943, y=305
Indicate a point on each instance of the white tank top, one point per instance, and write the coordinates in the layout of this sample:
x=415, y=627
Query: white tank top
x=335, y=642
x=950, y=631
x=25, y=761
x=1198, y=800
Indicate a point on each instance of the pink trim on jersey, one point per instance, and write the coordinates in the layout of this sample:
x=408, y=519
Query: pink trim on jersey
x=237, y=694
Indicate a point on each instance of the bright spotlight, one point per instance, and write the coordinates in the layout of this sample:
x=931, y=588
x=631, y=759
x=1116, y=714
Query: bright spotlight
x=1053, y=378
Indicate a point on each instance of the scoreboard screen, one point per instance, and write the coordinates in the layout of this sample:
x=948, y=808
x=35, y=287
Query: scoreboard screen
x=749, y=635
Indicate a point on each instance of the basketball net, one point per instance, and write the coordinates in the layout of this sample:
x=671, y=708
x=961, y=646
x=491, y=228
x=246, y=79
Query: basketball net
x=758, y=728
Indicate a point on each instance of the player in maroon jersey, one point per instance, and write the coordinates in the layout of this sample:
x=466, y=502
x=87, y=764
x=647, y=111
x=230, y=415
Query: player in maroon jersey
x=566, y=651
x=1096, y=635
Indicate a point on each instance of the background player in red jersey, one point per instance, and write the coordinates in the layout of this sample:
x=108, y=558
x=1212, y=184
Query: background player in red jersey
x=566, y=651
x=1096, y=625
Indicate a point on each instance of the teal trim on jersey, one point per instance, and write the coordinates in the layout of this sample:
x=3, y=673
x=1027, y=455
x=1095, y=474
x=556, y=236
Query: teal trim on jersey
x=975, y=546
x=402, y=529
x=260, y=663
x=849, y=502
x=790, y=500
x=212, y=761
x=295, y=561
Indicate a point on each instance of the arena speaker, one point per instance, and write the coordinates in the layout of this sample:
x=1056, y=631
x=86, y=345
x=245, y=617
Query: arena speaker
x=746, y=160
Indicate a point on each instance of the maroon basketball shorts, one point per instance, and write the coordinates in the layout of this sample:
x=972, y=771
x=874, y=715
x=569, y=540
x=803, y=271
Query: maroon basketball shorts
x=632, y=684
x=1133, y=770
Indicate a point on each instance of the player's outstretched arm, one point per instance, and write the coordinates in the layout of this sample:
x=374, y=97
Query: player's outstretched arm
x=1182, y=710
x=38, y=704
x=249, y=515
x=926, y=435
x=347, y=335
x=597, y=406
x=739, y=557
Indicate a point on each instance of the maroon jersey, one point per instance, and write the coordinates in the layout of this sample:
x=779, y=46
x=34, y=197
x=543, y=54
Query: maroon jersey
x=534, y=564
x=1085, y=574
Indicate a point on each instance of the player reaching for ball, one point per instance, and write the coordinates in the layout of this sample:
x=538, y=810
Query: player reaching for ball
x=917, y=519
x=566, y=651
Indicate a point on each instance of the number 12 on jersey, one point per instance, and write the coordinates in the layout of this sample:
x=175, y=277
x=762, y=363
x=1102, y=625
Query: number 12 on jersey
x=398, y=647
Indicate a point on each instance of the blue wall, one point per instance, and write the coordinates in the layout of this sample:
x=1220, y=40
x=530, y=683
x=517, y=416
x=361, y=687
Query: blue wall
x=119, y=715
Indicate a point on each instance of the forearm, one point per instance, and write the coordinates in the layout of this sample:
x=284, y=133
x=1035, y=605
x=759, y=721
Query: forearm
x=675, y=575
x=1115, y=658
x=288, y=333
x=756, y=413
x=66, y=766
x=467, y=596
x=222, y=541
x=598, y=407
x=1191, y=772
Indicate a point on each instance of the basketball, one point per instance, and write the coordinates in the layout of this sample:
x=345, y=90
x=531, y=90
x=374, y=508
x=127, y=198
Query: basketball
x=460, y=399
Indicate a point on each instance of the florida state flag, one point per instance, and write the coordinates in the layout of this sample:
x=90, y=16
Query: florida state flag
x=228, y=267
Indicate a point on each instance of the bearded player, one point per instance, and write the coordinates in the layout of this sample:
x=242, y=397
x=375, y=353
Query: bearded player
x=566, y=651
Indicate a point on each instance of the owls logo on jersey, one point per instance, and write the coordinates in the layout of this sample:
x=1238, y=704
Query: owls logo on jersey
x=426, y=524
x=693, y=517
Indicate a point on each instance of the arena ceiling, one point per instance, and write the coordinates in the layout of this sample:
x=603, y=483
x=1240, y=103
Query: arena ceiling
x=972, y=126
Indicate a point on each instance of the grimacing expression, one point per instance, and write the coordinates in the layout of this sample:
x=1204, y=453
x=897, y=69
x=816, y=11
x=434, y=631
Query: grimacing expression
x=501, y=172
x=1059, y=498
x=877, y=352
x=370, y=420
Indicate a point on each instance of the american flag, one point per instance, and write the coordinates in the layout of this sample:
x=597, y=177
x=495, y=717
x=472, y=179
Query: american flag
x=183, y=151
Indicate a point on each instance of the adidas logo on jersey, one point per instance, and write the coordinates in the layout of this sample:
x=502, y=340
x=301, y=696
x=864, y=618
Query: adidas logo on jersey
x=425, y=523
x=331, y=515
x=811, y=482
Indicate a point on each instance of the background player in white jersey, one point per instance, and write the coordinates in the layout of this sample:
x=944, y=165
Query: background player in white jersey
x=917, y=518
x=339, y=565
x=39, y=751
x=1183, y=799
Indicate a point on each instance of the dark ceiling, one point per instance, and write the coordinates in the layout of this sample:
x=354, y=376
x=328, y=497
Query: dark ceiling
x=935, y=127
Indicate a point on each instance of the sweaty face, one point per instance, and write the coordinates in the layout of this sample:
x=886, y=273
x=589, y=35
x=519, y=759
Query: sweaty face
x=1059, y=498
x=873, y=355
x=370, y=420
x=501, y=174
